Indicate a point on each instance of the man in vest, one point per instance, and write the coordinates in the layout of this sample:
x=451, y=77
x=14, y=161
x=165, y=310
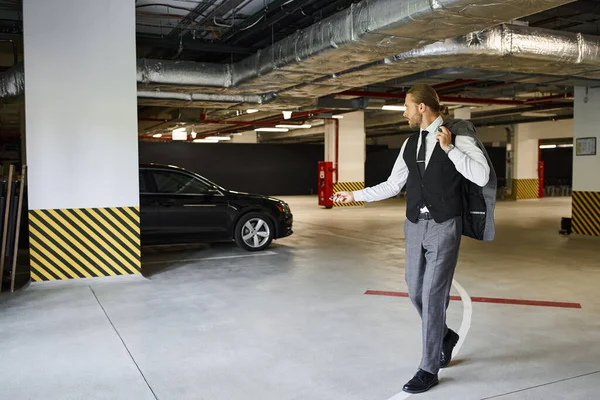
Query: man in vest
x=433, y=164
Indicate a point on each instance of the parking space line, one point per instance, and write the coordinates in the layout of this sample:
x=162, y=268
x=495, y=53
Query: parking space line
x=537, y=303
x=262, y=254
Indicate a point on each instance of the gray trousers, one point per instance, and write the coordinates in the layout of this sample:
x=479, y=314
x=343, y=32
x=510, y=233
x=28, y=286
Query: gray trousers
x=431, y=257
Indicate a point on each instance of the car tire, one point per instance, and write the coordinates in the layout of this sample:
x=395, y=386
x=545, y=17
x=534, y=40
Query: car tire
x=254, y=231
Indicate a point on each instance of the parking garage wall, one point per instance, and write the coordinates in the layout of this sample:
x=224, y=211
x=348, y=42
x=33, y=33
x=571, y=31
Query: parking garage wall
x=270, y=169
x=381, y=159
x=274, y=169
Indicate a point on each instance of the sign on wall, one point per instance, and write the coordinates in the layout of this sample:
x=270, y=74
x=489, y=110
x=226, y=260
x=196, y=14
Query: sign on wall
x=586, y=146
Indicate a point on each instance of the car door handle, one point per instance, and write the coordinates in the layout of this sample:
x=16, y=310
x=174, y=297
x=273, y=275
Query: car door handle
x=167, y=203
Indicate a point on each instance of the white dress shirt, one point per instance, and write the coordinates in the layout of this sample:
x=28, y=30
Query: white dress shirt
x=468, y=159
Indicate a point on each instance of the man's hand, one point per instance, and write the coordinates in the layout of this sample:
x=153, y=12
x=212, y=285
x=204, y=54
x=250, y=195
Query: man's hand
x=343, y=197
x=444, y=136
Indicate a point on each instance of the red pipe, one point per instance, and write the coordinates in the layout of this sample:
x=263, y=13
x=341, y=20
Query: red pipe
x=448, y=99
x=543, y=99
x=276, y=120
x=247, y=123
x=456, y=83
x=267, y=122
x=468, y=100
x=337, y=148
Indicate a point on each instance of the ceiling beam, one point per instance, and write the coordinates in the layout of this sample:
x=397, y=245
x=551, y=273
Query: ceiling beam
x=293, y=134
x=445, y=99
x=190, y=44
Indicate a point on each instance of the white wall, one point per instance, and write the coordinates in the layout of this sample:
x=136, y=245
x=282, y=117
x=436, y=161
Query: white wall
x=547, y=129
x=81, y=103
x=527, y=138
x=352, y=147
x=393, y=142
x=497, y=134
x=586, y=169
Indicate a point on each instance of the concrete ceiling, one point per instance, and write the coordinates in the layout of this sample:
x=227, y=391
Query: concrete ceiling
x=230, y=30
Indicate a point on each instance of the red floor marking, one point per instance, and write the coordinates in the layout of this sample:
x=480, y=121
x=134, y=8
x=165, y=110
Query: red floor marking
x=488, y=300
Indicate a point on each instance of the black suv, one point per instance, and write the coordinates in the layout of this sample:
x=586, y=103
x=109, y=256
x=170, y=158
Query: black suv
x=179, y=206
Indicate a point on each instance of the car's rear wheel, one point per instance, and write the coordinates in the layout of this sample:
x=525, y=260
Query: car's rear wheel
x=254, y=232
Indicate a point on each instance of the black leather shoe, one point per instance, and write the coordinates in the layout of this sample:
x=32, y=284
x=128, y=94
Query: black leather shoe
x=421, y=382
x=450, y=341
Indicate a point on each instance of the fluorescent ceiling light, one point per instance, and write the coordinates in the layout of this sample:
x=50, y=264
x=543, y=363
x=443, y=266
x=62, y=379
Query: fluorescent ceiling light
x=565, y=145
x=205, y=141
x=548, y=146
x=179, y=134
x=218, y=138
x=157, y=135
x=303, y=126
x=337, y=116
x=271, y=130
x=251, y=111
x=393, y=108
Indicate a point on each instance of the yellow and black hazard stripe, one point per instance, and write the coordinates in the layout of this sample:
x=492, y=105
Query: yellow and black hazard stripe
x=586, y=213
x=523, y=189
x=348, y=187
x=84, y=243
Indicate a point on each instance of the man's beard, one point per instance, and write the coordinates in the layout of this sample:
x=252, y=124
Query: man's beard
x=414, y=122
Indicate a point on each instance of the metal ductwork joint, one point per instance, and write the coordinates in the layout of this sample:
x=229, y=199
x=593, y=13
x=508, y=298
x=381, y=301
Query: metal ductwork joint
x=12, y=82
x=513, y=48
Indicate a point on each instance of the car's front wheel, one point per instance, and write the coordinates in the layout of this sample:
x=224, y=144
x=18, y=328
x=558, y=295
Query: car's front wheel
x=254, y=232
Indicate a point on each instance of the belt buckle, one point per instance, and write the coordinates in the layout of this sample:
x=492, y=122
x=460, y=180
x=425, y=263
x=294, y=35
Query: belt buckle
x=424, y=216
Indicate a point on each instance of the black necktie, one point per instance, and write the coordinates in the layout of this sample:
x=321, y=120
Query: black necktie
x=421, y=155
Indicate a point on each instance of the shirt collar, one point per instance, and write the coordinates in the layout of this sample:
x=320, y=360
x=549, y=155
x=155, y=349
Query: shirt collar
x=434, y=125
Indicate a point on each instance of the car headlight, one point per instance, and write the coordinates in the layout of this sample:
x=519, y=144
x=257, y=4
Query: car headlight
x=283, y=207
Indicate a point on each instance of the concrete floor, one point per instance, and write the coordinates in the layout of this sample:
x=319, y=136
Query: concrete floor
x=217, y=323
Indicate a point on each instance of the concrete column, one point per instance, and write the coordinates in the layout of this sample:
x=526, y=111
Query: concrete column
x=525, y=180
x=350, y=150
x=586, y=166
x=525, y=183
x=82, y=144
x=462, y=113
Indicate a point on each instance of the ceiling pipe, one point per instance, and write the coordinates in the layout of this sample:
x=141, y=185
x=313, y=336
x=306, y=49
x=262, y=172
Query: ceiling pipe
x=444, y=99
x=267, y=122
x=276, y=120
x=565, y=96
x=454, y=84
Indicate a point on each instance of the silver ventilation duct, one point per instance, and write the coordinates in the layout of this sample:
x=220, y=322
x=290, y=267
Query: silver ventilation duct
x=12, y=82
x=308, y=63
x=506, y=48
x=514, y=48
x=364, y=33
x=205, y=97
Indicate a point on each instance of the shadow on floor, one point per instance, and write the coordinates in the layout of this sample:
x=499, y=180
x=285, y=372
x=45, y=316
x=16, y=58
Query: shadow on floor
x=160, y=259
